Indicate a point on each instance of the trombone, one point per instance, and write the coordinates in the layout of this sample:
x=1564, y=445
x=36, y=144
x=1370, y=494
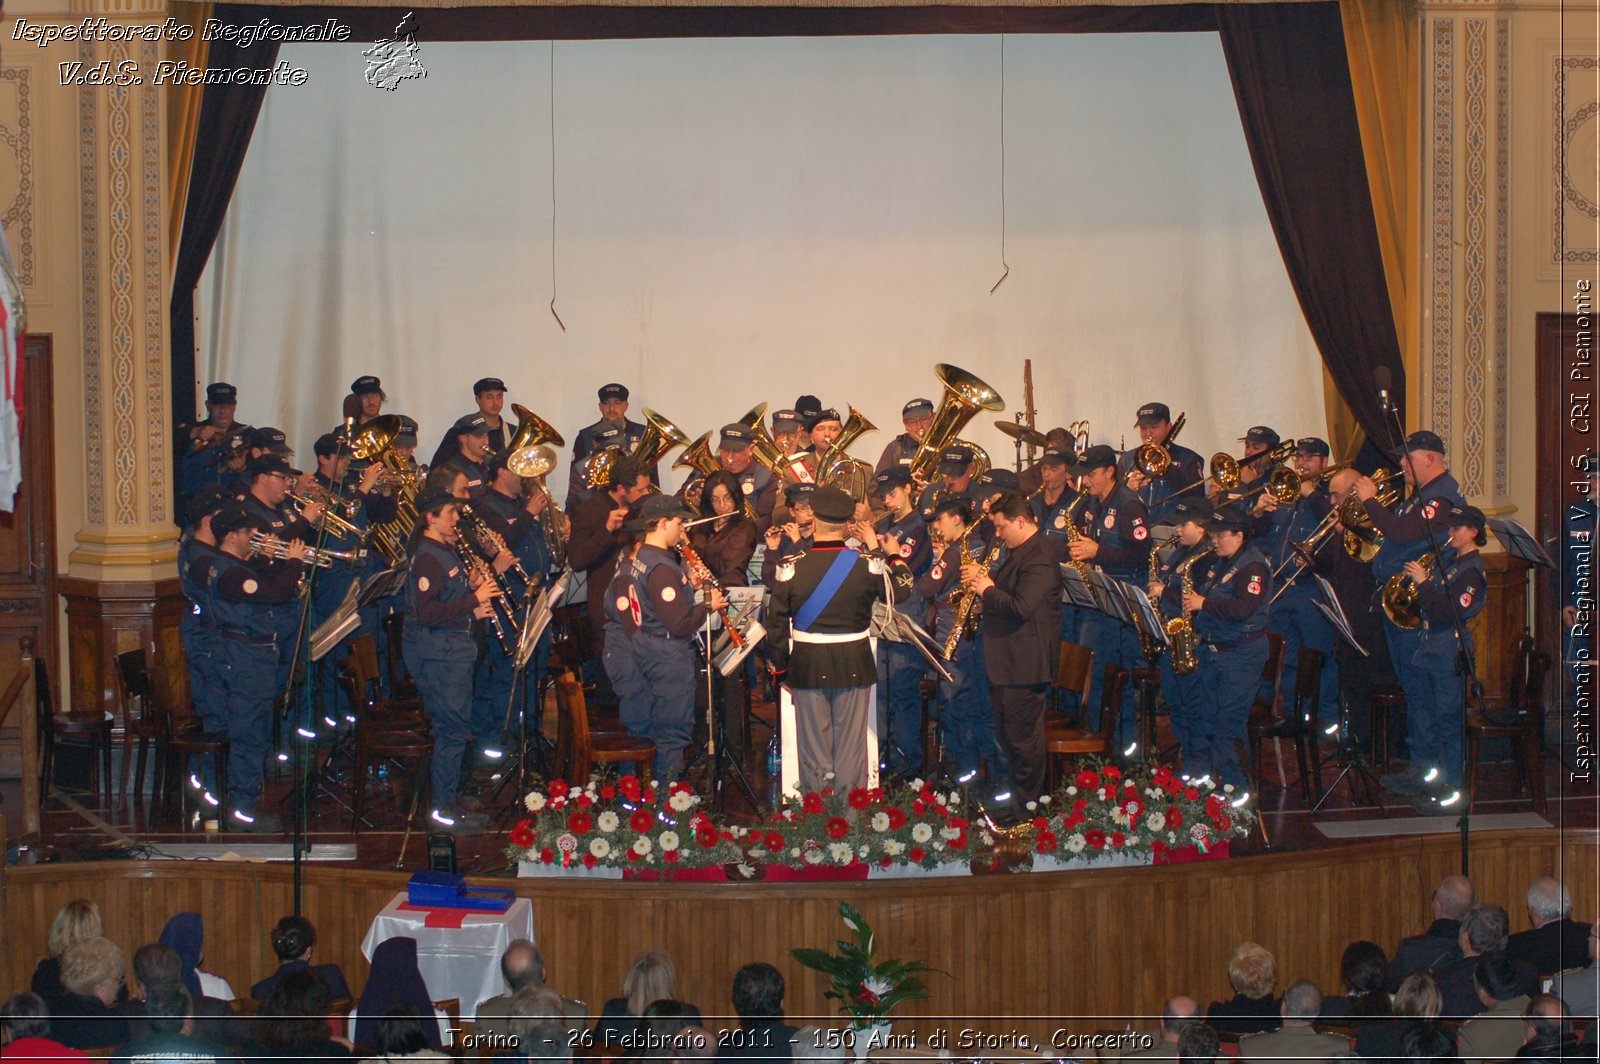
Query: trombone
x=1226, y=471
x=330, y=515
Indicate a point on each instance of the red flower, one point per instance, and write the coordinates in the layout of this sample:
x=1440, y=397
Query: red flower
x=1086, y=780
x=1095, y=838
x=812, y=802
x=1112, y=773
x=1133, y=807
x=640, y=821
x=547, y=855
x=876, y=794
x=1191, y=794
x=608, y=792
x=863, y=994
x=629, y=785
x=917, y=854
x=1223, y=824
x=773, y=842
x=1040, y=823
x=1117, y=839
x=633, y=855
x=1079, y=805
x=918, y=807
x=522, y=835
x=1215, y=805
x=897, y=818
x=859, y=798
x=706, y=837
x=584, y=801
x=960, y=822
x=1158, y=847
x=588, y=860
x=679, y=787
x=649, y=796
x=1161, y=776
x=670, y=856
x=926, y=794
x=959, y=842
x=1045, y=842
x=1072, y=821
x=579, y=823
x=838, y=827
x=1174, y=817
x=558, y=788
x=883, y=862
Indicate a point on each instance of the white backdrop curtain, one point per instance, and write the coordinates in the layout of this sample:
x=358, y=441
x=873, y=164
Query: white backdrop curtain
x=741, y=220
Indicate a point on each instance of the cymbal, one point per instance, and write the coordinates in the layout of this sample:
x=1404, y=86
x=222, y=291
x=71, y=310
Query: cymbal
x=1022, y=433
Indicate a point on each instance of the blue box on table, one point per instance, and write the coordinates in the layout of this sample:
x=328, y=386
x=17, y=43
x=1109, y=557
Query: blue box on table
x=442, y=890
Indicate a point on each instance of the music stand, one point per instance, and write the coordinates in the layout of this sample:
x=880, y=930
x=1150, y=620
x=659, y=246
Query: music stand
x=1519, y=542
x=1077, y=589
x=536, y=617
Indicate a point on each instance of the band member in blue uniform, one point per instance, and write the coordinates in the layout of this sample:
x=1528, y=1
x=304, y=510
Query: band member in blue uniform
x=211, y=441
x=967, y=723
x=736, y=453
x=900, y=533
x=1456, y=590
x=1159, y=495
x=956, y=479
x=1185, y=700
x=818, y=621
x=621, y=660
x=1295, y=616
x=241, y=596
x=369, y=397
x=471, y=453
x=443, y=596
x=993, y=483
x=788, y=427
x=362, y=507
x=1059, y=511
x=490, y=395
x=791, y=533
x=615, y=431
x=269, y=480
x=916, y=416
x=1021, y=640
x=197, y=556
x=1406, y=537
x=1259, y=442
x=661, y=601
x=1229, y=605
x=1115, y=539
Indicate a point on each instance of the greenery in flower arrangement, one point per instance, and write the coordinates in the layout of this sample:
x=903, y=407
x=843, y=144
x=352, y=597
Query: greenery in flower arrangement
x=1102, y=810
x=866, y=990
x=909, y=825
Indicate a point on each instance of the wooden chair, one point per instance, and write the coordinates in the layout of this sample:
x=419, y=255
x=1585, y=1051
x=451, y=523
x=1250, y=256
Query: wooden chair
x=1074, y=675
x=1525, y=699
x=375, y=745
x=1301, y=725
x=182, y=744
x=1063, y=741
x=401, y=685
x=578, y=748
x=1388, y=703
x=1271, y=703
x=92, y=727
x=142, y=724
x=1146, y=683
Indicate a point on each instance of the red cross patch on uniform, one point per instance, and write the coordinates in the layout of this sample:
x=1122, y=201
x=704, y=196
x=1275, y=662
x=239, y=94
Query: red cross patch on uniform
x=1254, y=587
x=633, y=606
x=1429, y=508
x=905, y=550
x=938, y=571
x=1466, y=598
x=1139, y=531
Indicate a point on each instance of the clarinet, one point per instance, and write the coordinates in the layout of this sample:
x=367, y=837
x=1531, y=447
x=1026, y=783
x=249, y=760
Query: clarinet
x=697, y=564
x=501, y=621
x=486, y=543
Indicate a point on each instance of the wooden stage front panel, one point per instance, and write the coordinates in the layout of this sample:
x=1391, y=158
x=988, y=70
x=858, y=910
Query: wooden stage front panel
x=1094, y=945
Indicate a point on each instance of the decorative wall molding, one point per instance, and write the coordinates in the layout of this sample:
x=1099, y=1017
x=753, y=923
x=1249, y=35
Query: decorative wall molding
x=158, y=449
x=120, y=239
x=1502, y=278
x=89, y=214
x=1441, y=241
x=16, y=136
x=1474, y=316
x=1576, y=199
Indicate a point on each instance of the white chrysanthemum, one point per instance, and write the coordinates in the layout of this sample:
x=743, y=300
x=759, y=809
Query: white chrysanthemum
x=1076, y=843
x=921, y=832
x=950, y=833
x=641, y=845
x=955, y=799
x=880, y=821
x=894, y=847
x=839, y=852
x=1155, y=821
x=1119, y=817
x=1031, y=806
x=1044, y=799
x=916, y=784
x=813, y=857
x=607, y=821
x=1172, y=836
x=864, y=852
x=680, y=802
x=941, y=799
x=669, y=840
x=795, y=852
x=534, y=801
x=599, y=847
x=1072, y=791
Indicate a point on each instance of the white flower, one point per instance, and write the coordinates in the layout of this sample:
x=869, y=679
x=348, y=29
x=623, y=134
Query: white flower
x=534, y=801
x=669, y=840
x=827, y=776
x=921, y=832
x=1076, y=843
x=1172, y=836
x=949, y=833
x=1227, y=788
x=875, y=986
x=680, y=802
x=880, y=821
x=1044, y=799
x=1119, y=817
x=1155, y=821
x=1032, y=806
x=813, y=857
x=795, y=852
x=955, y=799
x=607, y=821
x=654, y=784
x=1072, y=791
x=641, y=845
x=941, y=799
x=839, y=852
x=863, y=852
x=893, y=847
x=599, y=847
x=986, y=838
x=916, y=784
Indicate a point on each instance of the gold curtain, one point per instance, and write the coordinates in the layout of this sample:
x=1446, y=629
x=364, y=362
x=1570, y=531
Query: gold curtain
x=183, y=119
x=1380, y=37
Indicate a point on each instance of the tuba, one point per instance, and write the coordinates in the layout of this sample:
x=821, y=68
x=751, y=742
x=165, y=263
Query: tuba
x=1401, y=595
x=531, y=455
x=660, y=436
x=834, y=464
x=698, y=457
x=964, y=396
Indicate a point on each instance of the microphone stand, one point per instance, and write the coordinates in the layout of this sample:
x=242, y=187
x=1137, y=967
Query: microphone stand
x=1466, y=666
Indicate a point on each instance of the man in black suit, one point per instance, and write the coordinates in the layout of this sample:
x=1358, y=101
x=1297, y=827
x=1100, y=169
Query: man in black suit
x=1436, y=946
x=1557, y=941
x=1021, y=639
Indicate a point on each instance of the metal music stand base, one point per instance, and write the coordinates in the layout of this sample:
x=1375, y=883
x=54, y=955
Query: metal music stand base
x=717, y=758
x=1355, y=766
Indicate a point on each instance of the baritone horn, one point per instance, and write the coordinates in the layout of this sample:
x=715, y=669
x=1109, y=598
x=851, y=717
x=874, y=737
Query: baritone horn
x=964, y=395
x=834, y=462
x=1154, y=459
x=531, y=455
x=374, y=442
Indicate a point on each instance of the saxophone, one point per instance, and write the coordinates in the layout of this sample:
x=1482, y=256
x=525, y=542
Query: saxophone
x=1071, y=528
x=964, y=601
x=1180, y=630
x=1148, y=643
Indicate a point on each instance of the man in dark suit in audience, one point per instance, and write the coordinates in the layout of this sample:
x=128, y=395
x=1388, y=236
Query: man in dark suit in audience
x=1557, y=941
x=522, y=967
x=1497, y=1032
x=1580, y=987
x=1483, y=934
x=1436, y=946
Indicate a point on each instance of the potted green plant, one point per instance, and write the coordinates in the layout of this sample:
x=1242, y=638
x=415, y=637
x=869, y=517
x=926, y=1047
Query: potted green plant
x=866, y=991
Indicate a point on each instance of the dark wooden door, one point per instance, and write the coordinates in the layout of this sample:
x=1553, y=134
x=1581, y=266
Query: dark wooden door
x=28, y=545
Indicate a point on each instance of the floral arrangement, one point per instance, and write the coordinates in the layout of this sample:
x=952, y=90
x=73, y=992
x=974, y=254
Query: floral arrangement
x=622, y=823
x=865, y=990
x=910, y=825
x=1103, y=810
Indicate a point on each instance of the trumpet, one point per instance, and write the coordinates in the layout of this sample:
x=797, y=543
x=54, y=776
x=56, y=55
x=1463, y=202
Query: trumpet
x=1154, y=459
x=330, y=515
x=321, y=557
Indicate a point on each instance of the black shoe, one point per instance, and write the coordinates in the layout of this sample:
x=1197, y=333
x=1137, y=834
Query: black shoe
x=458, y=822
x=242, y=820
x=1406, y=783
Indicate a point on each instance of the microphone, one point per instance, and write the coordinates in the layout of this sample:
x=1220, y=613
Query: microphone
x=1382, y=377
x=350, y=422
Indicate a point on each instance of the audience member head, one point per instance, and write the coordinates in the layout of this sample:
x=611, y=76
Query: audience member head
x=75, y=921
x=25, y=1016
x=1362, y=970
x=395, y=980
x=1453, y=897
x=1302, y=1002
x=1429, y=1042
x=401, y=1032
x=1178, y=1014
x=651, y=978
x=186, y=934
x=522, y=966
x=1496, y=978
x=665, y=1017
x=296, y=1014
x=536, y=1019
x=1484, y=930
x=1198, y=1044
x=758, y=992
x=694, y=1042
x=1418, y=997
x=1548, y=900
x=293, y=937
x=168, y=1009
x=156, y=966
x=1252, y=970
x=1546, y=1019
x=93, y=968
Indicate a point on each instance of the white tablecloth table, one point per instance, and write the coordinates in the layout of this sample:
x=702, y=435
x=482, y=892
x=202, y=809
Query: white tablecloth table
x=456, y=962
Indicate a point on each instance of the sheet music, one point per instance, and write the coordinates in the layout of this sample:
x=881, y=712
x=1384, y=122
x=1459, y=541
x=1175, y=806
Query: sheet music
x=1335, y=614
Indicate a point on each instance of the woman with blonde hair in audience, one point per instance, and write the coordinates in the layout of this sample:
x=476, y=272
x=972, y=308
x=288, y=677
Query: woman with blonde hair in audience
x=651, y=978
x=94, y=975
x=77, y=921
x=1417, y=1004
x=1253, y=972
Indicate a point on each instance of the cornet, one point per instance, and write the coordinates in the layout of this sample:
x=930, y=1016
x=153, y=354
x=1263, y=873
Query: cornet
x=321, y=557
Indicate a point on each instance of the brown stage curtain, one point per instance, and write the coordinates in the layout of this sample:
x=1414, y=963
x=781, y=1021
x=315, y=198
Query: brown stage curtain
x=183, y=119
x=1292, y=84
